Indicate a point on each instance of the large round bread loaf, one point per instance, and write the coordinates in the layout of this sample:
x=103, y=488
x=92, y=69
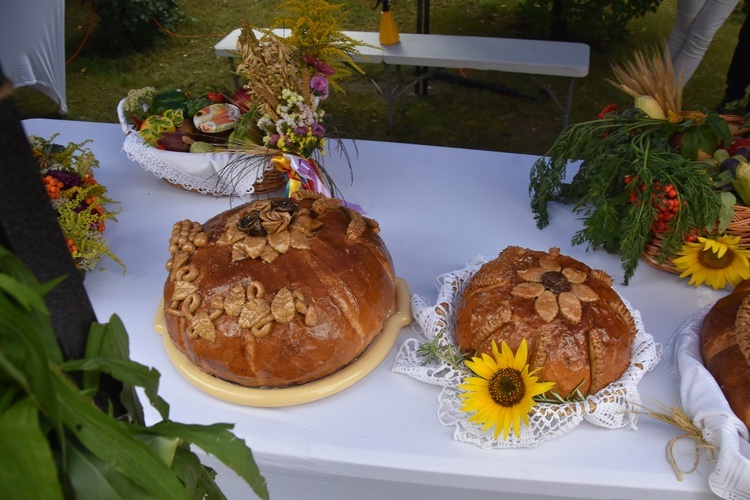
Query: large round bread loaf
x=578, y=330
x=277, y=292
x=725, y=342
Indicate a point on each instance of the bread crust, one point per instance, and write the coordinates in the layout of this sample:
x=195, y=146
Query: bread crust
x=278, y=319
x=725, y=345
x=583, y=342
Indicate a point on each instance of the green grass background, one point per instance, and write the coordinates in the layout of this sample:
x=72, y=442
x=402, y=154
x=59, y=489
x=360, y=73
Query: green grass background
x=450, y=115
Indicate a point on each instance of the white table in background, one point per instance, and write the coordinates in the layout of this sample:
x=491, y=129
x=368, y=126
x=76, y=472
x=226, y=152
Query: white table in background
x=437, y=207
x=533, y=57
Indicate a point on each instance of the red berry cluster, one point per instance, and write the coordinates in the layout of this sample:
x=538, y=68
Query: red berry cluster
x=664, y=199
x=609, y=109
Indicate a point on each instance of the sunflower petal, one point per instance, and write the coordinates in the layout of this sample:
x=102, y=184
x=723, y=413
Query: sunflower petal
x=522, y=354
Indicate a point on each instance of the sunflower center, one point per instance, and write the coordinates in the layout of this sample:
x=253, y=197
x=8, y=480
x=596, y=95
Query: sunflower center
x=710, y=260
x=555, y=282
x=507, y=387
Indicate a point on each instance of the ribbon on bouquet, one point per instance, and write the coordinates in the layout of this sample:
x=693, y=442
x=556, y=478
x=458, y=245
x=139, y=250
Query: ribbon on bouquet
x=301, y=173
x=304, y=173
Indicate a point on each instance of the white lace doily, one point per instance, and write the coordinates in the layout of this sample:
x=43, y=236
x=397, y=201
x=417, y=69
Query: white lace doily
x=704, y=402
x=208, y=173
x=613, y=407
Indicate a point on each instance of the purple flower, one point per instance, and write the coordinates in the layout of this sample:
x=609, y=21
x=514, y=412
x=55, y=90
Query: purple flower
x=274, y=138
x=300, y=131
x=318, y=129
x=319, y=83
x=319, y=65
x=69, y=179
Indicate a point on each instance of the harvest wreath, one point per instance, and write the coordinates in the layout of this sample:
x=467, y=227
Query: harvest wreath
x=655, y=181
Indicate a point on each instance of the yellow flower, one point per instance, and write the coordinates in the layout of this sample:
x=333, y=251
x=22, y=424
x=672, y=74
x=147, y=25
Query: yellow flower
x=502, y=394
x=697, y=117
x=714, y=261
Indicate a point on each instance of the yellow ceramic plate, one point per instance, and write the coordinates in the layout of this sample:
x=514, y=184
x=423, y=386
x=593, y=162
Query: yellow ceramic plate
x=288, y=396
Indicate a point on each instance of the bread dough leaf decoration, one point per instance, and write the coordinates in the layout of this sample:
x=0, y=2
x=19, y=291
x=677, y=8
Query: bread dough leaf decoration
x=253, y=310
x=323, y=204
x=234, y=301
x=266, y=229
x=555, y=289
x=282, y=306
x=203, y=327
x=742, y=328
x=256, y=316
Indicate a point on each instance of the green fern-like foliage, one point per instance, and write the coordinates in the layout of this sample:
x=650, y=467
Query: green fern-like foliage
x=610, y=149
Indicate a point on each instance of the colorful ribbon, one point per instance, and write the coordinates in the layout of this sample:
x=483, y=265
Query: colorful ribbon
x=302, y=173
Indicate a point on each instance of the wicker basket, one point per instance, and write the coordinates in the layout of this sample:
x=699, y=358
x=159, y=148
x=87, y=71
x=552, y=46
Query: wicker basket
x=736, y=124
x=209, y=173
x=740, y=226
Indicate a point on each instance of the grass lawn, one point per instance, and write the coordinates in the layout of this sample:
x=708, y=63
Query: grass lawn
x=451, y=114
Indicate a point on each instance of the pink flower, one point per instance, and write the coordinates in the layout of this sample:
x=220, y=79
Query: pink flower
x=319, y=84
x=319, y=65
x=318, y=129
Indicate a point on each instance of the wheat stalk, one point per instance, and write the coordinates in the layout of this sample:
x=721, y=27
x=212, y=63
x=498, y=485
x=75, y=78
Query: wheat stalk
x=269, y=65
x=676, y=417
x=650, y=73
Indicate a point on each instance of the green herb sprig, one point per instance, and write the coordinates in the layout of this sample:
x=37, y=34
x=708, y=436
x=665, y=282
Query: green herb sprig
x=440, y=350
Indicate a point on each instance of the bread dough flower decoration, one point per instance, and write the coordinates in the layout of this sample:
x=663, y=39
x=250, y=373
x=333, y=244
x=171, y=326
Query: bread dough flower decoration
x=502, y=394
x=714, y=261
x=267, y=228
x=555, y=289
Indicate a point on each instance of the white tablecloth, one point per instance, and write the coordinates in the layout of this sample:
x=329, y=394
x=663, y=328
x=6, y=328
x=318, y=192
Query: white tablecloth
x=438, y=208
x=32, y=46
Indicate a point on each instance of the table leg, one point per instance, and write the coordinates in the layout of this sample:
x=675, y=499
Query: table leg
x=423, y=26
x=389, y=95
x=568, y=104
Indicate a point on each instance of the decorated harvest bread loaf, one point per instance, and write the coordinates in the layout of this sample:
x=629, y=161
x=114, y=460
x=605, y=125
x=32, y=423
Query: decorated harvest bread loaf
x=579, y=331
x=277, y=292
x=725, y=342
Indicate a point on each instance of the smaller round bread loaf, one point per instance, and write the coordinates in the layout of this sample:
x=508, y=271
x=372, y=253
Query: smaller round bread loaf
x=277, y=292
x=578, y=330
x=725, y=342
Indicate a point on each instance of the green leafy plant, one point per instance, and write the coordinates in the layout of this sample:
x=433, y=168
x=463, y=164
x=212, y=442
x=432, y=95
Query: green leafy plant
x=131, y=25
x=57, y=442
x=590, y=20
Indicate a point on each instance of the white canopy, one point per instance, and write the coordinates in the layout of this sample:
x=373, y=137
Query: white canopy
x=32, y=46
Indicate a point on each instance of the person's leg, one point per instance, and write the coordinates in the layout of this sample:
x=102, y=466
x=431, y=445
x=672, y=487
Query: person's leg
x=738, y=76
x=687, y=11
x=699, y=36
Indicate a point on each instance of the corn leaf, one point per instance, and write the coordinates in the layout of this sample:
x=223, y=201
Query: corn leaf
x=58, y=443
x=196, y=477
x=33, y=473
x=114, y=444
x=129, y=372
x=25, y=356
x=92, y=479
x=218, y=440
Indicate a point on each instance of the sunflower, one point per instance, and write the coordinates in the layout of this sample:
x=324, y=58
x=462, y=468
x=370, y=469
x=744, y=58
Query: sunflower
x=714, y=261
x=502, y=394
